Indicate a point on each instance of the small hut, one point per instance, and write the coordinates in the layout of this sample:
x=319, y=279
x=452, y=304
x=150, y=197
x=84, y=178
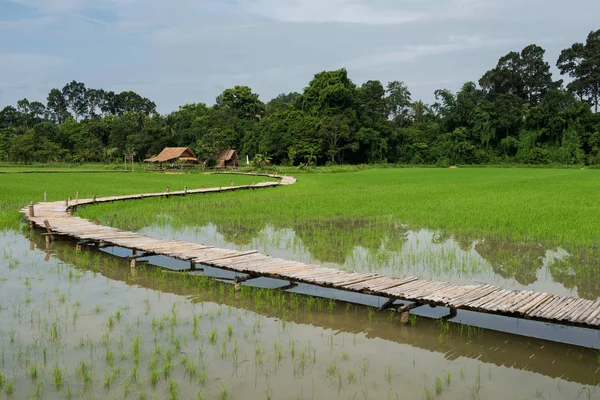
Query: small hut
x=175, y=156
x=228, y=159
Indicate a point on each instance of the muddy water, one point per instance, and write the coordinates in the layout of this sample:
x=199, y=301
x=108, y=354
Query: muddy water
x=109, y=332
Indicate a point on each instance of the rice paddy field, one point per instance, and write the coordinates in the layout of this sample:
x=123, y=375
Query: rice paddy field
x=82, y=324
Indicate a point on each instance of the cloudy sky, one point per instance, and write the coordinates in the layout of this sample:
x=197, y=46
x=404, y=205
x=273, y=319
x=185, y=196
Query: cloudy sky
x=184, y=51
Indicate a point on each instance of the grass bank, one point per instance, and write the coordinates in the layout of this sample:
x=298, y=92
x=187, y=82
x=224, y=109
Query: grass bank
x=18, y=189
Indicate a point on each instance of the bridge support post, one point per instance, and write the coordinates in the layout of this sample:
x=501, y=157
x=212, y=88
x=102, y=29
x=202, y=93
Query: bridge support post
x=237, y=281
x=387, y=304
x=405, y=312
x=291, y=285
x=451, y=314
x=48, y=233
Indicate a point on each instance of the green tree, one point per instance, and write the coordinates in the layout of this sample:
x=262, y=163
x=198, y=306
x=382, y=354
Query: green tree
x=10, y=116
x=525, y=74
x=74, y=94
x=241, y=102
x=329, y=93
x=283, y=101
x=31, y=113
x=399, y=103
x=57, y=107
x=582, y=63
x=337, y=134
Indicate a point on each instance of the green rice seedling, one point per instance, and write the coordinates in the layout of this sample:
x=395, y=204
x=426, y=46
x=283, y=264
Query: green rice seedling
x=191, y=369
x=438, y=386
x=176, y=342
x=388, y=374
x=213, y=336
x=202, y=377
x=109, y=376
x=412, y=320
x=351, y=377
x=134, y=373
x=33, y=371
x=371, y=312
x=154, y=376
x=293, y=349
x=364, y=368
x=84, y=373
x=195, y=327
x=173, y=390
x=58, y=377
x=9, y=388
x=223, y=395
x=427, y=393
x=166, y=369
x=109, y=356
x=331, y=370
x=331, y=304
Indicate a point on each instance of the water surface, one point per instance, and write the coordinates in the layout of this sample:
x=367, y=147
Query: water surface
x=112, y=332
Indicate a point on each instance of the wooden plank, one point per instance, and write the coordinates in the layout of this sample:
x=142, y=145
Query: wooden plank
x=594, y=314
x=583, y=310
x=535, y=303
x=474, y=295
x=546, y=306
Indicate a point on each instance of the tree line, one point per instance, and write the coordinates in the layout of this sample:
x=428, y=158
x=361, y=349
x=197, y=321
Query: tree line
x=515, y=113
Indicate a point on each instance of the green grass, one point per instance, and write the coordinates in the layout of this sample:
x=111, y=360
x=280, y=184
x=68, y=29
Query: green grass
x=7, y=168
x=551, y=206
x=20, y=188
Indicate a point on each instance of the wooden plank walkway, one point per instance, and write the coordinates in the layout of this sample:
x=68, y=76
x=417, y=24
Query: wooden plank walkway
x=488, y=299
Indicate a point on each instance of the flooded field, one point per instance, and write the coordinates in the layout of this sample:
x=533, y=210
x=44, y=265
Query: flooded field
x=83, y=325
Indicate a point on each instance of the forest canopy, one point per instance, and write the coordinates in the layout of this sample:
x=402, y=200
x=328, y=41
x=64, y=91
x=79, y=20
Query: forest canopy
x=515, y=113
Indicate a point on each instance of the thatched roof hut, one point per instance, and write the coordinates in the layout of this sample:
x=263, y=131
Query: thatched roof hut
x=171, y=154
x=228, y=159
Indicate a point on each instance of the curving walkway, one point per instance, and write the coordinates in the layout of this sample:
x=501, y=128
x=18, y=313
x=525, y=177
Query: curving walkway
x=56, y=218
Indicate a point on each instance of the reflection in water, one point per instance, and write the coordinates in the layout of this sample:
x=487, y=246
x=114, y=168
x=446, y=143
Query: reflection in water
x=518, y=261
x=389, y=248
x=453, y=342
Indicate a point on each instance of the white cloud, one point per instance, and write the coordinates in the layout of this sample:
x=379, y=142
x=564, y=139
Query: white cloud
x=181, y=51
x=27, y=25
x=411, y=53
x=27, y=75
x=54, y=6
x=346, y=11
